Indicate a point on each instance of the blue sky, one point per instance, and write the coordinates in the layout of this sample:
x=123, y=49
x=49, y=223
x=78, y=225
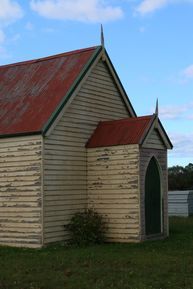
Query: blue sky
x=150, y=43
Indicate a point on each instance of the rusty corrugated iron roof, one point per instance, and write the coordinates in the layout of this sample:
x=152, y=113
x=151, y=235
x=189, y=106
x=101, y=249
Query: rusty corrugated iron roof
x=120, y=132
x=32, y=91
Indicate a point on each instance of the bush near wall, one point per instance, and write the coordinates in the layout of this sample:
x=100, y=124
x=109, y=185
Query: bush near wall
x=87, y=228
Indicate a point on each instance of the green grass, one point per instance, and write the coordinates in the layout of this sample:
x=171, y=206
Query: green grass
x=150, y=265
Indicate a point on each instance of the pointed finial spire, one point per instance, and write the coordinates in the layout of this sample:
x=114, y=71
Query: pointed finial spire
x=156, y=109
x=102, y=37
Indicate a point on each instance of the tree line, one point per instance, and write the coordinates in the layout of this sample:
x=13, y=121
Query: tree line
x=180, y=178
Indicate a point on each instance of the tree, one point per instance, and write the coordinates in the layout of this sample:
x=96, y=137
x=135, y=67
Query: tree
x=180, y=178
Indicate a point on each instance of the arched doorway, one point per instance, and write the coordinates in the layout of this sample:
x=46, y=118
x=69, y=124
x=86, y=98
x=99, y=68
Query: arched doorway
x=152, y=199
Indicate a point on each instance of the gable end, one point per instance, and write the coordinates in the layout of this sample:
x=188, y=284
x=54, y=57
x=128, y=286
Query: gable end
x=154, y=140
x=99, y=56
x=156, y=136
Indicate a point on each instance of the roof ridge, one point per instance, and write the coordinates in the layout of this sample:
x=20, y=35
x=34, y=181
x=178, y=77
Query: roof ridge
x=36, y=60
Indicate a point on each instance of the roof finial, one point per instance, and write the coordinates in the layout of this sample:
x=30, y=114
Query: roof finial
x=102, y=37
x=156, y=109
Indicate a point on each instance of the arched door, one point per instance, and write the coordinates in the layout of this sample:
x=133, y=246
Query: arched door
x=152, y=199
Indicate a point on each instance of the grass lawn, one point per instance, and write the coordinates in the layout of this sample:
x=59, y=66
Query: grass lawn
x=159, y=264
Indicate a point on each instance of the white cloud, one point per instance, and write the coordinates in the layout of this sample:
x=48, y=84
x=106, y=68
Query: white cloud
x=78, y=10
x=149, y=6
x=183, y=144
x=9, y=12
x=172, y=111
x=188, y=72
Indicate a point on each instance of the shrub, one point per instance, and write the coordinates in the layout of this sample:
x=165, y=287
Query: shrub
x=87, y=228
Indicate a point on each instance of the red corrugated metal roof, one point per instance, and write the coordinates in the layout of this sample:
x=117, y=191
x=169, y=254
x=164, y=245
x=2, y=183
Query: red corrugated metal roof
x=31, y=91
x=120, y=132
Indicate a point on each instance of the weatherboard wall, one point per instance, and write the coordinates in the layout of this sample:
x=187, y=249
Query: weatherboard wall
x=21, y=191
x=65, y=159
x=154, y=140
x=113, y=190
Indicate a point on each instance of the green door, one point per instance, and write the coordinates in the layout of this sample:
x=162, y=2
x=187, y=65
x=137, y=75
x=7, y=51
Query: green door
x=152, y=199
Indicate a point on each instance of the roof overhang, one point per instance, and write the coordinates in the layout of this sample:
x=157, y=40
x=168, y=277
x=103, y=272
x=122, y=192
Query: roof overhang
x=127, y=131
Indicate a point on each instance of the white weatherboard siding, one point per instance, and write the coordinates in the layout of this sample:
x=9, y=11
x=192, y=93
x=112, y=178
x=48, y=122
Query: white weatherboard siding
x=113, y=189
x=65, y=164
x=21, y=191
x=154, y=141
